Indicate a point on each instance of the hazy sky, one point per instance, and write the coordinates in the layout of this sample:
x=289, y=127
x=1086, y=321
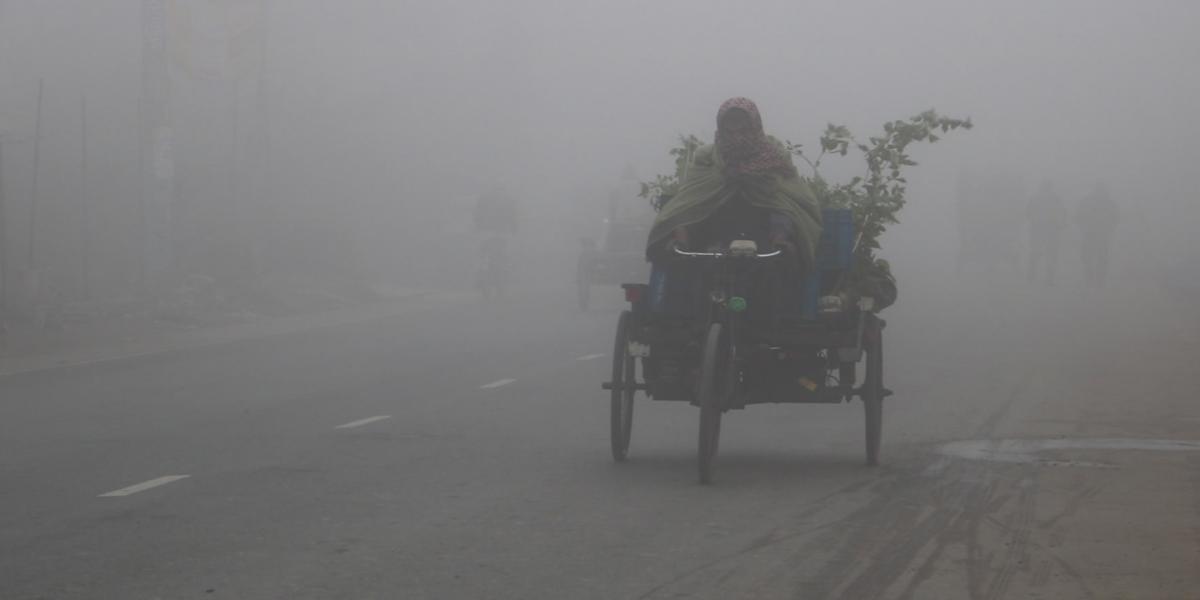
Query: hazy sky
x=550, y=96
x=1064, y=87
x=374, y=102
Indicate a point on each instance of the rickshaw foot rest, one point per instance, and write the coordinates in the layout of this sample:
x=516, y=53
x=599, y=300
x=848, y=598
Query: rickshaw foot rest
x=610, y=387
x=858, y=391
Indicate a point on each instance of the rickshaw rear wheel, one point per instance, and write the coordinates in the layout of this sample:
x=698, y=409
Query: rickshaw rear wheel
x=872, y=391
x=624, y=382
x=710, y=400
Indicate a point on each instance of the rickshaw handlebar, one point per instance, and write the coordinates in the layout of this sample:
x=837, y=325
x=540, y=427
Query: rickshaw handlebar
x=687, y=254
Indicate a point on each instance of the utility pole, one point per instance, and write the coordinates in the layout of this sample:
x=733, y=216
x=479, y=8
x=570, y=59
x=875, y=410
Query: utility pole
x=3, y=245
x=262, y=139
x=85, y=215
x=157, y=143
x=6, y=261
x=31, y=253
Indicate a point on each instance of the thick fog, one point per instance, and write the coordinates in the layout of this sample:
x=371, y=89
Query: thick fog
x=303, y=299
x=355, y=136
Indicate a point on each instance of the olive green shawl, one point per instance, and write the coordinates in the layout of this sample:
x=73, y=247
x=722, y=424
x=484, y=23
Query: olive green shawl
x=706, y=187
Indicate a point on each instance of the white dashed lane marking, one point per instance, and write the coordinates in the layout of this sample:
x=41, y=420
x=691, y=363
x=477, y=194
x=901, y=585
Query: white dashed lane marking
x=495, y=384
x=590, y=357
x=361, y=422
x=143, y=486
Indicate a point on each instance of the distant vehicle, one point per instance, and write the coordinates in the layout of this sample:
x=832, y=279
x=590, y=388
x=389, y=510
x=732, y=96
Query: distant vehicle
x=619, y=258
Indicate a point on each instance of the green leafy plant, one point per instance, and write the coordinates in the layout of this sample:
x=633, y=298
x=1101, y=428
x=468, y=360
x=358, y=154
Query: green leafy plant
x=664, y=187
x=876, y=196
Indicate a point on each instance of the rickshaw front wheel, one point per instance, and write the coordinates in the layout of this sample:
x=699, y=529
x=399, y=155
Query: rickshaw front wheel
x=710, y=400
x=624, y=382
x=872, y=390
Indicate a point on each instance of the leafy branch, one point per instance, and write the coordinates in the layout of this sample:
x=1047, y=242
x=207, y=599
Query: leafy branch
x=835, y=140
x=877, y=195
x=664, y=187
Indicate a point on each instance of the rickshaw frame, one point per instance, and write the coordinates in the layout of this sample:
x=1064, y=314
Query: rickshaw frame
x=724, y=363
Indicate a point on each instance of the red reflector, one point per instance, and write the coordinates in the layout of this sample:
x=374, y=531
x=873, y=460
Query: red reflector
x=633, y=294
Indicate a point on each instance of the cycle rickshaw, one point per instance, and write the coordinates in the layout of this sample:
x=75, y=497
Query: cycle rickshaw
x=721, y=331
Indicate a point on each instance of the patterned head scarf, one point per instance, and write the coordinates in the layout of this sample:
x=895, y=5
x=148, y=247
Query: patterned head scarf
x=749, y=152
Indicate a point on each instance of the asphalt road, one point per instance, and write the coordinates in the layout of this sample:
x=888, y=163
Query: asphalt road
x=459, y=449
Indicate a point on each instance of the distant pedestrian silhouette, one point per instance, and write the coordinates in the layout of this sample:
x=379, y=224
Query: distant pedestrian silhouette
x=1097, y=218
x=989, y=223
x=1047, y=216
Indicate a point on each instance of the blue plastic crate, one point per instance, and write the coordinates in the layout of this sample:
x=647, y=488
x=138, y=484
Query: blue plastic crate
x=835, y=250
x=810, y=292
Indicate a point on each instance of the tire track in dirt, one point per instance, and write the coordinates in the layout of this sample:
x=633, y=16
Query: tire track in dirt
x=891, y=532
x=770, y=540
x=901, y=531
x=1016, y=555
x=906, y=517
x=1073, y=505
x=988, y=427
